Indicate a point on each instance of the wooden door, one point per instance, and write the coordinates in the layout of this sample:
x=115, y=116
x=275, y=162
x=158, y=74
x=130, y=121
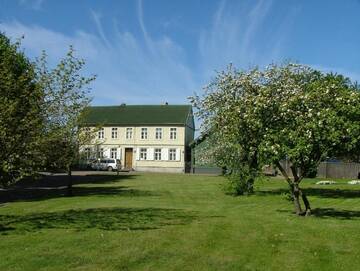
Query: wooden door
x=128, y=158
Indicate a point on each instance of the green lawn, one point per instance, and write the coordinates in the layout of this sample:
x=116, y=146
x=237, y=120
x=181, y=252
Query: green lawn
x=178, y=222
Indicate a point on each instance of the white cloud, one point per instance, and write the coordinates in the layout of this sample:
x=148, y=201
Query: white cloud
x=126, y=71
x=145, y=69
x=236, y=37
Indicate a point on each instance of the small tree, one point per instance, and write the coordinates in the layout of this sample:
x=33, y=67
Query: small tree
x=66, y=100
x=21, y=122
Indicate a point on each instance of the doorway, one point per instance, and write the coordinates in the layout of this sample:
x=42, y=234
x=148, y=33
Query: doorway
x=128, y=158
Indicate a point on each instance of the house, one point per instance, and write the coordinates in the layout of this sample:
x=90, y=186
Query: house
x=143, y=137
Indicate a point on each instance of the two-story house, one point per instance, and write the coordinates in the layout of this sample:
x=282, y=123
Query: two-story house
x=143, y=137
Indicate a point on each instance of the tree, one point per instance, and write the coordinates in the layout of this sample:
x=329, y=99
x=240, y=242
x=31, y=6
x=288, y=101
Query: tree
x=288, y=112
x=66, y=100
x=229, y=117
x=318, y=117
x=21, y=122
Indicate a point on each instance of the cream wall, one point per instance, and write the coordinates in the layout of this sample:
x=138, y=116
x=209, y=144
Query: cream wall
x=136, y=142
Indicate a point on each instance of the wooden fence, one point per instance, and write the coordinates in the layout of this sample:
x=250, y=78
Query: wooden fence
x=335, y=170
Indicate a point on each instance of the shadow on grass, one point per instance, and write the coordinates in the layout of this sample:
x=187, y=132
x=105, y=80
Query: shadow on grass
x=99, y=218
x=331, y=213
x=55, y=186
x=317, y=192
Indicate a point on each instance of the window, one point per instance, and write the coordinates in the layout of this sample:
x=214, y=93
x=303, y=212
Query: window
x=114, y=132
x=113, y=153
x=143, y=154
x=87, y=153
x=101, y=153
x=157, y=154
x=101, y=133
x=172, y=154
x=128, y=133
x=158, y=133
x=143, y=133
x=172, y=133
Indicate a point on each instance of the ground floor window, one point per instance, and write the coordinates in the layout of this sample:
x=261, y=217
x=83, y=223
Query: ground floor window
x=87, y=152
x=101, y=153
x=113, y=153
x=157, y=154
x=143, y=154
x=172, y=154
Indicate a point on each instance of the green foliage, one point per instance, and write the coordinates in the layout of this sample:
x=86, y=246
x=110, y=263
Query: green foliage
x=289, y=111
x=21, y=122
x=66, y=99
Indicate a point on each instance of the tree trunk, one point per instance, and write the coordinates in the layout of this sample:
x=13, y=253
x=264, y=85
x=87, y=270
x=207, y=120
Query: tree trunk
x=296, y=196
x=70, y=182
x=306, y=204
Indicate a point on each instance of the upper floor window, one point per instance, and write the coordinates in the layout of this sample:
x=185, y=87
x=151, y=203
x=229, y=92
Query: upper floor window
x=113, y=153
x=143, y=154
x=172, y=154
x=158, y=133
x=114, y=132
x=157, y=154
x=128, y=133
x=143, y=133
x=101, y=133
x=173, y=133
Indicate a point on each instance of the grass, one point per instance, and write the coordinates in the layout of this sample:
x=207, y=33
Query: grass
x=176, y=222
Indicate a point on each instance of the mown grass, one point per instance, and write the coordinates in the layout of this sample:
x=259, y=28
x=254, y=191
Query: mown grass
x=177, y=222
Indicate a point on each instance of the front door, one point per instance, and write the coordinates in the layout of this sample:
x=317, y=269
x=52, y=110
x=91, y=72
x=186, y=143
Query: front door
x=128, y=158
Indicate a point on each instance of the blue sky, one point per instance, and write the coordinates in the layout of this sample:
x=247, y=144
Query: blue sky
x=152, y=51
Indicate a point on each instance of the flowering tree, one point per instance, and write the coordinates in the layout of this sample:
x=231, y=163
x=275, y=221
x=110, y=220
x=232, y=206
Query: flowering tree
x=288, y=112
x=66, y=100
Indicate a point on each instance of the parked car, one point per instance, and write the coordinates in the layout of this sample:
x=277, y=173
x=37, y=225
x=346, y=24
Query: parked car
x=90, y=163
x=105, y=164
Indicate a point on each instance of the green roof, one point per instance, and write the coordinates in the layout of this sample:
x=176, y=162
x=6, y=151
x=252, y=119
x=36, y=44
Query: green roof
x=137, y=115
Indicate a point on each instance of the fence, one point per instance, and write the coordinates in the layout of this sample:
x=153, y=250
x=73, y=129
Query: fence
x=336, y=170
x=333, y=170
x=339, y=170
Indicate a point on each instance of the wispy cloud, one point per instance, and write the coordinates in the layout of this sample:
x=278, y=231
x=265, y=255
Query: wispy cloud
x=126, y=71
x=97, y=19
x=236, y=36
x=33, y=4
x=145, y=68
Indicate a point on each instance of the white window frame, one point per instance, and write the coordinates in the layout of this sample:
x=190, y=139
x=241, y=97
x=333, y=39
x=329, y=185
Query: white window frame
x=101, y=133
x=157, y=154
x=172, y=154
x=129, y=132
x=158, y=133
x=113, y=153
x=173, y=133
x=143, y=154
x=87, y=152
x=101, y=153
x=144, y=133
x=114, y=132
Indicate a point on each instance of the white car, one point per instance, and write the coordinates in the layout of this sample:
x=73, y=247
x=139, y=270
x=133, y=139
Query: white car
x=105, y=164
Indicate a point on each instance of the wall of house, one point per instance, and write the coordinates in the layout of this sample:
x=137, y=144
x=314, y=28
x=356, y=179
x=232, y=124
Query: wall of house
x=136, y=142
